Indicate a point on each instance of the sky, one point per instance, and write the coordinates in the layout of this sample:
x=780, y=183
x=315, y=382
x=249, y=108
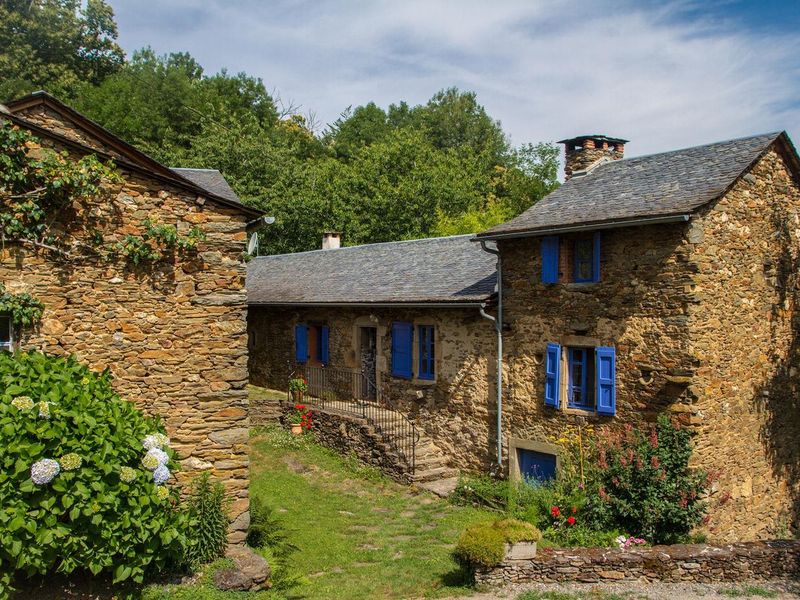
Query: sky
x=663, y=75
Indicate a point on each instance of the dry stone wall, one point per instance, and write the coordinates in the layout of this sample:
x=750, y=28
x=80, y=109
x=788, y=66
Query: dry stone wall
x=698, y=563
x=455, y=410
x=173, y=336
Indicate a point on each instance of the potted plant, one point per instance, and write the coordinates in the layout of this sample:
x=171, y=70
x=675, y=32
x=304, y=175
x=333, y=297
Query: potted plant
x=298, y=387
x=300, y=419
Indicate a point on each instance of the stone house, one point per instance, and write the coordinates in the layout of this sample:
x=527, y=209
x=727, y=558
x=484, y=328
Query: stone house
x=405, y=316
x=173, y=333
x=663, y=283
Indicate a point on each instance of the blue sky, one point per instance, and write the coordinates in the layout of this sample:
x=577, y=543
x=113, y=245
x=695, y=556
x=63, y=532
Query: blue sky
x=662, y=74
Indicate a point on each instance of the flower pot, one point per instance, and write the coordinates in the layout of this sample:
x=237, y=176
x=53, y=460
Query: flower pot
x=521, y=551
x=297, y=429
x=297, y=396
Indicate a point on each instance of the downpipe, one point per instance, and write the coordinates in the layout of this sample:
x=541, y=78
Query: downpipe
x=498, y=325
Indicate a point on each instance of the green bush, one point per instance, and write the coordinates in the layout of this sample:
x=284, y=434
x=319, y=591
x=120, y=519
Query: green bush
x=644, y=485
x=484, y=543
x=74, y=492
x=208, y=533
x=267, y=533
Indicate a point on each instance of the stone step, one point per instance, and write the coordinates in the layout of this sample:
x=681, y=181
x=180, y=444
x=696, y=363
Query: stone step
x=441, y=487
x=422, y=476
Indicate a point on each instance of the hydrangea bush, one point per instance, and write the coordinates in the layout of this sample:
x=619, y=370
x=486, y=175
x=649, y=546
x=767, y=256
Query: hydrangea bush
x=77, y=491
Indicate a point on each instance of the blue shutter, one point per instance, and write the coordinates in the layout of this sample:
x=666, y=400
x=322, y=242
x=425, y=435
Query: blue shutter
x=552, y=375
x=596, y=258
x=402, y=355
x=605, y=368
x=549, y=249
x=324, y=336
x=301, y=343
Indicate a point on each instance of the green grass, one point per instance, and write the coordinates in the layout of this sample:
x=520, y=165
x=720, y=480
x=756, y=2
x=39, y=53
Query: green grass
x=590, y=595
x=359, y=534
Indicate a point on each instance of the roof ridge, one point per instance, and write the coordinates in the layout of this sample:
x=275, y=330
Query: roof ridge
x=359, y=246
x=193, y=169
x=773, y=134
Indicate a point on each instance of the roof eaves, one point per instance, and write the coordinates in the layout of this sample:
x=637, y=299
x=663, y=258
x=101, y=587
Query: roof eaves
x=589, y=226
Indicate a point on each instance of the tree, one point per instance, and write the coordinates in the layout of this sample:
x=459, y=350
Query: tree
x=55, y=45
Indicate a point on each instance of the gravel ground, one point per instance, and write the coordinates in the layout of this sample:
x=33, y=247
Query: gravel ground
x=644, y=591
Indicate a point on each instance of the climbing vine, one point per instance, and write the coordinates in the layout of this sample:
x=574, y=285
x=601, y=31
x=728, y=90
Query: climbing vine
x=156, y=241
x=25, y=310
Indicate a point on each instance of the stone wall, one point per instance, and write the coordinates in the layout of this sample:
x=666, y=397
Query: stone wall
x=173, y=336
x=455, y=410
x=698, y=563
x=745, y=404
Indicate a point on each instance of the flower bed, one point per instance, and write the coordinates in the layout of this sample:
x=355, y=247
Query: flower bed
x=699, y=563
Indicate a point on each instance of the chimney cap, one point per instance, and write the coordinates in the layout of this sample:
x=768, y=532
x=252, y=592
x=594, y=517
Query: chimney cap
x=593, y=136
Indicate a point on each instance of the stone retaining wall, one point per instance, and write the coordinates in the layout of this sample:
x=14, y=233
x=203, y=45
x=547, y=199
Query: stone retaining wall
x=699, y=563
x=346, y=434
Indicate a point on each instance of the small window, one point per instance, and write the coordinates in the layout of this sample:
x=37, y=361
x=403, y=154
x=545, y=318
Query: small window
x=6, y=340
x=536, y=467
x=427, y=352
x=580, y=391
x=586, y=259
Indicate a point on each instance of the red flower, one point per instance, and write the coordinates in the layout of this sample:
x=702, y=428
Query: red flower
x=299, y=406
x=574, y=509
x=555, y=511
x=654, y=462
x=570, y=520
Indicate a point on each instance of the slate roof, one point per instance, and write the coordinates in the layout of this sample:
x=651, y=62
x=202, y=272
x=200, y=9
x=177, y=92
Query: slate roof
x=449, y=270
x=659, y=185
x=210, y=180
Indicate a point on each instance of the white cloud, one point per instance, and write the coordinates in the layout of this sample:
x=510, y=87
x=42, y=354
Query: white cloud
x=547, y=70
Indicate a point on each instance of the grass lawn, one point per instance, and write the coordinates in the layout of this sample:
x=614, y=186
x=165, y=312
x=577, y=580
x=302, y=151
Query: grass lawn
x=359, y=534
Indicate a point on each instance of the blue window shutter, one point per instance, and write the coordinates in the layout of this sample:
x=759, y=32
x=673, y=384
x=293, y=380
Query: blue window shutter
x=402, y=354
x=324, y=336
x=606, y=370
x=552, y=375
x=549, y=248
x=596, y=258
x=301, y=343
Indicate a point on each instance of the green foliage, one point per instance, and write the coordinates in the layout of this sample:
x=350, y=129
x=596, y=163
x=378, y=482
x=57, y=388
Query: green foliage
x=267, y=533
x=644, y=485
x=25, y=310
x=55, y=45
x=155, y=242
x=39, y=190
x=90, y=518
x=209, y=530
x=484, y=543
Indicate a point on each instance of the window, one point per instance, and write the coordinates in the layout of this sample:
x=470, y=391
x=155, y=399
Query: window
x=6, y=339
x=402, y=349
x=311, y=344
x=570, y=260
x=586, y=259
x=427, y=352
x=590, y=381
x=536, y=467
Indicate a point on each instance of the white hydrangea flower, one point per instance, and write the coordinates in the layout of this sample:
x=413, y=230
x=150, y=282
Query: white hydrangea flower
x=22, y=403
x=43, y=471
x=44, y=409
x=161, y=475
x=127, y=474
x=155, y=458
x=70, y=462
x=155, y=440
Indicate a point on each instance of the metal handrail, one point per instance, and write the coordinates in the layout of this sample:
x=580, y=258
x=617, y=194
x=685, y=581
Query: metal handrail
x=350, y=391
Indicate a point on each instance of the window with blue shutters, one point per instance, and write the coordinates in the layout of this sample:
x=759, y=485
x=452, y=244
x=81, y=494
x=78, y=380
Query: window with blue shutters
x=549, y=251
x=552, y=376
x=586, y=259
x=402, y=349
x=301, y=343
x=427, y=352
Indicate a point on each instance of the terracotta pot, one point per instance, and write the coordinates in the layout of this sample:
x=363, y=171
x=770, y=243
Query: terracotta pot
x=297, y=396
x=297, y=429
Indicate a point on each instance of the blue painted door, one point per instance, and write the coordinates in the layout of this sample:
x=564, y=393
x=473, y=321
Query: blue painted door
x=536, y=466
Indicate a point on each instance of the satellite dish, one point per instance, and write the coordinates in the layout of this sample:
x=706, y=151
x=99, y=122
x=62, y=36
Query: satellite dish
x=252, y=245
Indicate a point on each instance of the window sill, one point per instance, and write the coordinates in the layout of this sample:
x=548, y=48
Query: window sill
x=581, y=286
x=424, y=382
x=584, y=412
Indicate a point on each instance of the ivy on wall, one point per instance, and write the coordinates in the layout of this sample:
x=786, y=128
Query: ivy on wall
x=25, y=310
x=156, y=241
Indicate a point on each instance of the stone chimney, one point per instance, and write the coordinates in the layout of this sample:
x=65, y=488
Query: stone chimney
x=331, y=240
x=586, y=151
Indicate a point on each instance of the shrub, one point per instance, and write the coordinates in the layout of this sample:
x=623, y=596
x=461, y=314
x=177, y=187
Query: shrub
x=74, y=492
x=485, y=543
x=267, y=533
x=208, y=534
x=644, y=485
